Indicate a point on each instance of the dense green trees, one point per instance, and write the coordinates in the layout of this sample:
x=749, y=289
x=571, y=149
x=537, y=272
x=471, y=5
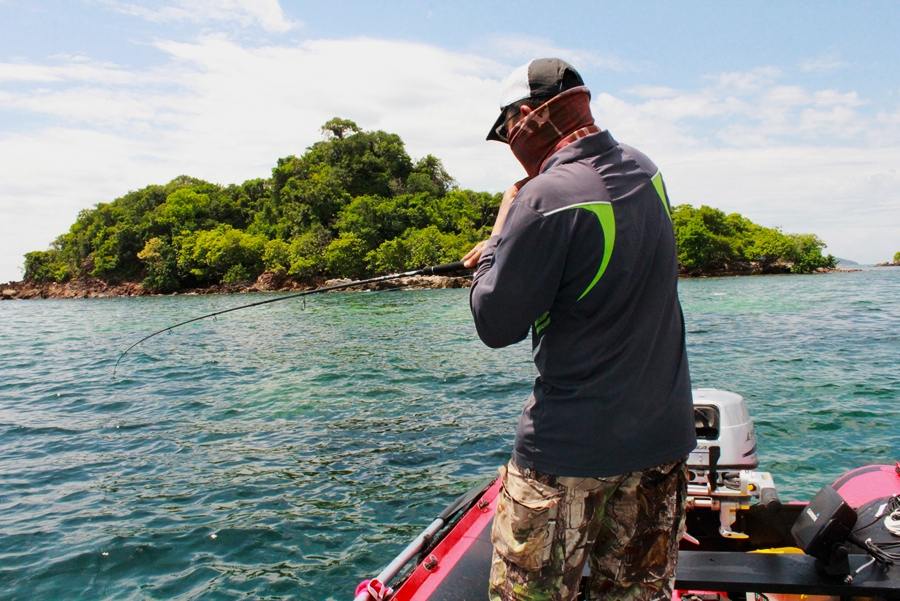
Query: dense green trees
x=710, y=241
x=353, y=204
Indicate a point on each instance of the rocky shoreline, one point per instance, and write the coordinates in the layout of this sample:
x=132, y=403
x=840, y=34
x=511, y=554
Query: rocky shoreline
x=267, y=282
x=725, y=273
x=270, y=282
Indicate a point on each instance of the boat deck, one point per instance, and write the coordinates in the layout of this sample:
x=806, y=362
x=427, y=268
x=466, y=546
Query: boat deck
x=457, y=568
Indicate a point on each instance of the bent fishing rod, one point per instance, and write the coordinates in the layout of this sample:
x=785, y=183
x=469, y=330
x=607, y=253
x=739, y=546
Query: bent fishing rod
x=431, y=270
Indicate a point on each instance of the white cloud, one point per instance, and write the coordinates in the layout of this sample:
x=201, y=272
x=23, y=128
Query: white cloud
x=72, y=68
x=836, y=98
x=653, y=91
x=742, y=82
x=785, y=97
x=266, y=14
x=218, y=110
x=823, y=64
x=752, y=108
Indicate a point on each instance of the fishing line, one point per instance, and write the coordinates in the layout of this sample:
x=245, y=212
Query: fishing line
x=431, y=270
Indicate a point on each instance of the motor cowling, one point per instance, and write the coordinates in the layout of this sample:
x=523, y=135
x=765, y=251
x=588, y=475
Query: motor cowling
x=725, y=436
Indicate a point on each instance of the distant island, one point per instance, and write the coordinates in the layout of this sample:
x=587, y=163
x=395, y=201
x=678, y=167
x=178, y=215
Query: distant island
x=353, y=205
x=894, y=263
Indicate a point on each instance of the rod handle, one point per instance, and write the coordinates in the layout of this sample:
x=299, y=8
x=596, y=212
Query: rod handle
x=446, y=268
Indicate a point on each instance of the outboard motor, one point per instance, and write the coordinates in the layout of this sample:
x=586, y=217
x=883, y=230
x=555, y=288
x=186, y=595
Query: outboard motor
x=722, y=466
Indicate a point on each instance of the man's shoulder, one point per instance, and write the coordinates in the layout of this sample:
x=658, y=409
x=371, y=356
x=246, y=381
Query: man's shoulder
x=630, y=153
x=565, y=184
x=605, y=153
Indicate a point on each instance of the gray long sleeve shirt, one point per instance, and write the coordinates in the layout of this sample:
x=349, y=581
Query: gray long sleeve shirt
x=586, y=261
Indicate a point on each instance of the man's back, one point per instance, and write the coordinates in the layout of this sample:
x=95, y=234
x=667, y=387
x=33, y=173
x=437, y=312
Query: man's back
x=587, y=260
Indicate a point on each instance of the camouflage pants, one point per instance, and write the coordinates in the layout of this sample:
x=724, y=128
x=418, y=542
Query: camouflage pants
x=625, y=527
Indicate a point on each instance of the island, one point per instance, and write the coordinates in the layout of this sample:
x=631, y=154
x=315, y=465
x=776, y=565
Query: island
x=894, y=263
x=354, y=204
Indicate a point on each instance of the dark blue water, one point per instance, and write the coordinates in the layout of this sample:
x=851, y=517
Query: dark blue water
x=286, y=452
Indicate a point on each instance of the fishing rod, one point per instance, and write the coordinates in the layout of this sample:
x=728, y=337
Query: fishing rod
x=431, y=270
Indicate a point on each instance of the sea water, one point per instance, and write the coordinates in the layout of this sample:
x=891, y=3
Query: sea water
x=288, y=451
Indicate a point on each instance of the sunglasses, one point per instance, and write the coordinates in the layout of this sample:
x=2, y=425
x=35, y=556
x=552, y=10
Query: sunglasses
x=511, y=116
x=509, y=112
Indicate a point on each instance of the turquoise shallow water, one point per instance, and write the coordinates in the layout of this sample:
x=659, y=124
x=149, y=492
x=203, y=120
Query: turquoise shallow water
x=286, y=452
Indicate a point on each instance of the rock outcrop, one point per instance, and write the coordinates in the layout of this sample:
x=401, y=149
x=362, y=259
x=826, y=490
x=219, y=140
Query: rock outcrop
x=89, y=288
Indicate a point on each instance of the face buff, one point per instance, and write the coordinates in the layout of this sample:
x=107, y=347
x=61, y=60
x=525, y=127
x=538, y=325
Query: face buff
x=537, y=136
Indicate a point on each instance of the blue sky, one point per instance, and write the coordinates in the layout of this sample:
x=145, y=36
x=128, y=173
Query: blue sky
x=788, y=113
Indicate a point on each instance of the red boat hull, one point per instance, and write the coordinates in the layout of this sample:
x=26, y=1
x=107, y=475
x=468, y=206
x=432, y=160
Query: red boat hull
x=457, y=568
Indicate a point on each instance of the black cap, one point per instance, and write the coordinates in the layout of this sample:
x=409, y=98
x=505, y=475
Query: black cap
x=540, y=79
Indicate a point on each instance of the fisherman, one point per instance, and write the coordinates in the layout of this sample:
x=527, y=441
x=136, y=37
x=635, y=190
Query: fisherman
x=582, y=254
